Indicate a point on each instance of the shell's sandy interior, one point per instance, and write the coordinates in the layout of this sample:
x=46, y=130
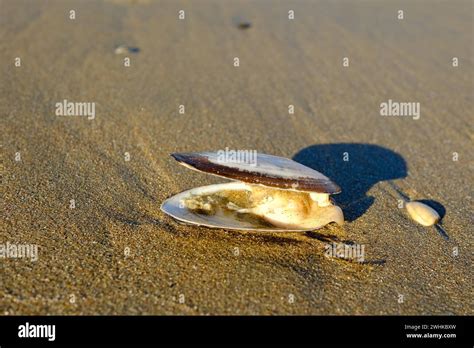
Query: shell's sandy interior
x=219, y=202
x=259, y=205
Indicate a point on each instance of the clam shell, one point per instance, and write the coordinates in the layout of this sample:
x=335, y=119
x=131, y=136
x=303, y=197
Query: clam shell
x=272, y=171
x=175, y=207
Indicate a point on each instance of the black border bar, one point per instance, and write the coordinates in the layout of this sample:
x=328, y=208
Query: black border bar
x=223, y=330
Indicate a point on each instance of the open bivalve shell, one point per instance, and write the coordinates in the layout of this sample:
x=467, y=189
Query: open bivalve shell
x=270, y=194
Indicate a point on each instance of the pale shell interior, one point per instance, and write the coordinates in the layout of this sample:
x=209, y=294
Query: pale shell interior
x=242, y=206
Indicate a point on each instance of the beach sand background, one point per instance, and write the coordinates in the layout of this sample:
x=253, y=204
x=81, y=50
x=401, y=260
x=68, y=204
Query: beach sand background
x=176, y=269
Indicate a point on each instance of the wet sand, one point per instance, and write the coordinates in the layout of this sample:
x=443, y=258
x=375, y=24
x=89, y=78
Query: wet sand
x=82, y=266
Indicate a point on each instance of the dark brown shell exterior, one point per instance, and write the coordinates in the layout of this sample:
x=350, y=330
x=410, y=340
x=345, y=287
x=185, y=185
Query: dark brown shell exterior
x=269, y=170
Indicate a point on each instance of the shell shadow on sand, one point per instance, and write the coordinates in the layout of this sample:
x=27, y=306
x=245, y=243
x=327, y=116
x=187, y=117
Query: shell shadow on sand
x=355, y=167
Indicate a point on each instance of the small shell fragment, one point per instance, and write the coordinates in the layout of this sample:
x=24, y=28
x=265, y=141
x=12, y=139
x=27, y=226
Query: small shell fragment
x=244, y=25
x=422, y=213
x=123, y=49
